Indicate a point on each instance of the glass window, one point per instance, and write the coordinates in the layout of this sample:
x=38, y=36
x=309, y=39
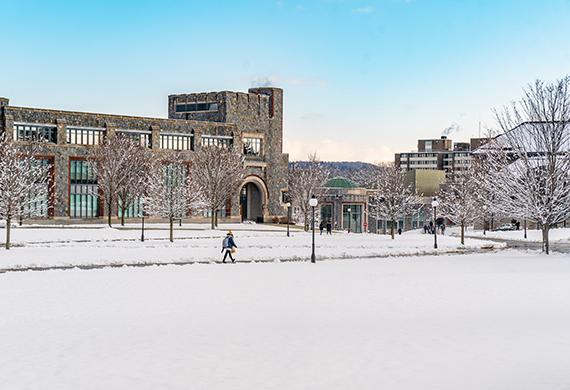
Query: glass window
x=252, y=146
x=213, y=140
x=177, y=141
x=78, y=136
x=83, y=190
x=193, y=107
x=30, y=132
x=352, y=217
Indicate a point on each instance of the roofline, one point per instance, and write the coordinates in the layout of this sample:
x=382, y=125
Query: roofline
x=179, y=121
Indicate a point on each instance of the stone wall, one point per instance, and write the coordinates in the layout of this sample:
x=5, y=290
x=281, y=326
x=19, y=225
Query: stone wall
x=258, y=113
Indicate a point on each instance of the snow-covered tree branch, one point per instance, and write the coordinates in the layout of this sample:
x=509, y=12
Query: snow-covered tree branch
x=393, y=198
x=306, y=178
x=528, y=165
x=24, y=182
x=218, y=173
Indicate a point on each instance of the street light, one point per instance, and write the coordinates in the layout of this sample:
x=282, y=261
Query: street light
x=313, y=202
x=348, y=210
x=434, y=204
x=142, y=230
x=288, y=204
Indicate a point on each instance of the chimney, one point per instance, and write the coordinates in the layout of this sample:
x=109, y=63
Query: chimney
x=444, y=137
x=4, y=102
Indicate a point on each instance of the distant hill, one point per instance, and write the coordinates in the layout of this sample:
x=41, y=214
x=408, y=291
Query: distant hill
x=352, y=170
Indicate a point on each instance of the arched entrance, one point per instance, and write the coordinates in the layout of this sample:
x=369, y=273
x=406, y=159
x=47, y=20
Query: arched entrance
x=253, y=199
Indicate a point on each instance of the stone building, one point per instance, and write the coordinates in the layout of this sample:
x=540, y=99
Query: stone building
x=251, y=122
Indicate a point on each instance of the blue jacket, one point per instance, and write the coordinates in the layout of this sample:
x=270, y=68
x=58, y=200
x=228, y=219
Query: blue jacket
x=229, y=244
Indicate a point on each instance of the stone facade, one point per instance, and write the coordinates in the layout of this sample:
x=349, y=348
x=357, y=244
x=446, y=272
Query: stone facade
x=257, y=114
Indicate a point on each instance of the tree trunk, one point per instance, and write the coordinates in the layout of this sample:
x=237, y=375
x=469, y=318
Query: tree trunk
x=392, y=229
x=216, y=218
x=525, y=228
x=212, y=222
x=8, y=221
x=545, y=242
x=109, y=208
x=306, y=227
x=462, y=233
x=123, y=217
x=171, y=229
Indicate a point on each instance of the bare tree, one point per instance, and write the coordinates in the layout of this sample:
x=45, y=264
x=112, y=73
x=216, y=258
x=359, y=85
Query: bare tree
x=528, y=164
x=171, y=191
x=112, y=159
x=393, y=197
x=132, y=189
x=459, y=200
x=218, y=173
x=24, y=182
x=306, y=179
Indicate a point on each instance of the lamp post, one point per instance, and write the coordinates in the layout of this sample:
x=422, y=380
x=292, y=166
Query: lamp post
x=313, y=203
x=142, y=230
x=288, y=217
x=434, y=204
x=348, y=210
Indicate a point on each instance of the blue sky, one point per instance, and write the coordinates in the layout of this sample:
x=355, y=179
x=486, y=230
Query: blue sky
x=362, y=79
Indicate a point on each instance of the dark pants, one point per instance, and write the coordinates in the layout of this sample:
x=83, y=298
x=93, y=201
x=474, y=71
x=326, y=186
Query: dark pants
x=228, y=253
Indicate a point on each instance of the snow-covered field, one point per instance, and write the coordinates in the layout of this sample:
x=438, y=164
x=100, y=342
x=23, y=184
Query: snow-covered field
x=80, y=245
x=470, y=322
x=559, y=234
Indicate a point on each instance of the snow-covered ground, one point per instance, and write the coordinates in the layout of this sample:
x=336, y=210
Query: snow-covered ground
x=80, y=245
x=471, y=322
x=558, y=234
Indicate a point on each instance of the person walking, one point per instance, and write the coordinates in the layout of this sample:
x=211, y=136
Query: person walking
x=322, y=227
x=329, y=227
x=228, y=246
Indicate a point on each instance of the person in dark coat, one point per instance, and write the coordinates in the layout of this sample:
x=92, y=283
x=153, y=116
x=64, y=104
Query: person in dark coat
x=322, y=227
x=329, y=227
x=228, y=246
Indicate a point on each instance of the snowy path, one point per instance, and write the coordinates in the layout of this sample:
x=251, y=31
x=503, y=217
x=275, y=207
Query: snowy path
x=92, y=248
x=471, y=322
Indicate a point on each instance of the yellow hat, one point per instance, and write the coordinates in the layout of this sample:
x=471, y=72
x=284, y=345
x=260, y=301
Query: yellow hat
x=230, y=233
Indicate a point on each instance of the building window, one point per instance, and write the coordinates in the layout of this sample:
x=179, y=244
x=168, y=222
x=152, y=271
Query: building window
x=224, y=141
x=177, y=141
x=352, y=218
x=143, y=138
x=83, y=190
x=252, y=146
x=134, y=210
x=84, y=136
x=29, y=132
x=195, y=107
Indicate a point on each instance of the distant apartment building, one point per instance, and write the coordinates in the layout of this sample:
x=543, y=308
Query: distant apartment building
x=439, y=154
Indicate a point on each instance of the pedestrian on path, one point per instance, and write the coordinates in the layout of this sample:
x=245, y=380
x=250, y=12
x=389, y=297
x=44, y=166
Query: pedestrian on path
x=228, y=246
x=329, y=227
x=322, y=227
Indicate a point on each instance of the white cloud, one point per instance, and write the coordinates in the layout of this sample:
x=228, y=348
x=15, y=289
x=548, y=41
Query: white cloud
x=335, y=150
x=364, y=10
x=277, y=81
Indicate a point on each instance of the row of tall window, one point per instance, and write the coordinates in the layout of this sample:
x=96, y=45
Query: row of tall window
x=144, y=139
x=84, y=136
x=177, y=142
x=194, y=107
x=29, y=132
x=94, y=136
x=217, y=140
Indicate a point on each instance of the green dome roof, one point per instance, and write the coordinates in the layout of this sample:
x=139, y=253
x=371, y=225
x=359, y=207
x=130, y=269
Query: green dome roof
x=340, y=182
